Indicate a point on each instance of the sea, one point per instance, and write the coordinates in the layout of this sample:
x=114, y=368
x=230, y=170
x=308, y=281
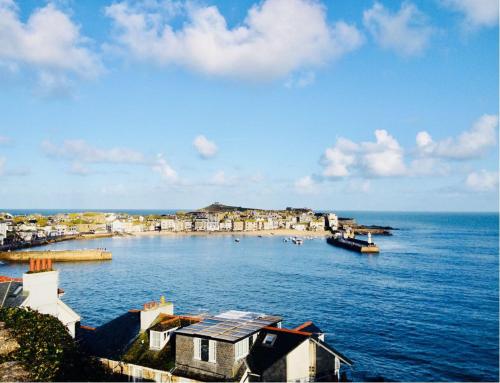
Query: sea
x=425, y=309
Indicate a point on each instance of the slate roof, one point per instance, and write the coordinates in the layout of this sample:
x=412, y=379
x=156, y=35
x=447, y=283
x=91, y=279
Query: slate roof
x=230, y=326
x=11, y=292
x=262, y=357
x=112, y=339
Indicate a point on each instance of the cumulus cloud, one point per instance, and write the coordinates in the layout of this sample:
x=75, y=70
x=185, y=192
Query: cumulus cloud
x=206, y=148
x=482, y=181
x=219, y=179
x=82, y=152
x=477, y=13
x=469, y=144
x=306, y=185
x=382, y=158
x=166, y=171
x=276, y=38
x=48, y=42
x=407, y=31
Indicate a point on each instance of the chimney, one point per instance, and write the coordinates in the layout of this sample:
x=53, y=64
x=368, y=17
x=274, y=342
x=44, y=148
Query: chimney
x=151, y=310
x=41, y=284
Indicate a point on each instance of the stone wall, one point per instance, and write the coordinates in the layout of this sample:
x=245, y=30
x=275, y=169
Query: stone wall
x=224, y=368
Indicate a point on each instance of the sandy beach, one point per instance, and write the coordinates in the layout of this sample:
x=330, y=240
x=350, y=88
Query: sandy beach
x=263, y=233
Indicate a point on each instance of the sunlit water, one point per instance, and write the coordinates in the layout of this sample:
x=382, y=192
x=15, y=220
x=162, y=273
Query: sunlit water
x=426, y=308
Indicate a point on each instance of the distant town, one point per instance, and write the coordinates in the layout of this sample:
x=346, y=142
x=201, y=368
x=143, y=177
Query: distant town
x=17, y=231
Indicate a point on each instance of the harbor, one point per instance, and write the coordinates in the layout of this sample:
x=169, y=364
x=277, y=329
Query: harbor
x=77, y=255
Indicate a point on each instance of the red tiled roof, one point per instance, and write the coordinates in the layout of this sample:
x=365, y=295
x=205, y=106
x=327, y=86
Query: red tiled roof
x=9, y=279
x=288, y=331
x=305, y=324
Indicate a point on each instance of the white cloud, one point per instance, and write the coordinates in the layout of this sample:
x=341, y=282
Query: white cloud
x=81, y=151
x=276, y=38
x=469, y=144
x=477, y=13
x=48, y=42
x=166, y=172
x=385, y=157
x=205, y=147
x=338, y=159
x=382, y=158
x=482, y=181
x=407, y=31
x=306, y=185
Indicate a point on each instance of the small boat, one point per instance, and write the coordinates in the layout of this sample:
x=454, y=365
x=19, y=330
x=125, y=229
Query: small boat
x=285, y=240
x=237, y=240
x=260, y=236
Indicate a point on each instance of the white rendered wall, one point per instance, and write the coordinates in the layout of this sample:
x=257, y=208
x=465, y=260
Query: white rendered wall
x=297, y=363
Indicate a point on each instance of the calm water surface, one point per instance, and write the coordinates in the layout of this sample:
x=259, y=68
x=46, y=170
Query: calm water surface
x=426, y=308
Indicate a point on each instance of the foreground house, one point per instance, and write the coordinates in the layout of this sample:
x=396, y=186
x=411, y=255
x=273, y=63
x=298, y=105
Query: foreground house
x=155, y=344
x=298, y=355
x=38, y=290
x=215, y=348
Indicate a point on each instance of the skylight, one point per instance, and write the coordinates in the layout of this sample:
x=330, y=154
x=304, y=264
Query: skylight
x=269, y=340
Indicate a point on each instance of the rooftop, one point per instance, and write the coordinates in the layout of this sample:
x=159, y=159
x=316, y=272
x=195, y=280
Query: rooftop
x=230, y=326
x=11, y=292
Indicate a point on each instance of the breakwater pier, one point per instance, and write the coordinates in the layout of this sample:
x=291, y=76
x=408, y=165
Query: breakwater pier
x=57, y=255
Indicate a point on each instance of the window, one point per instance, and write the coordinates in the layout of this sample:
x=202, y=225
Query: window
x=241, y=349
x=155, y=340
x=269, y=340
x=205, y=350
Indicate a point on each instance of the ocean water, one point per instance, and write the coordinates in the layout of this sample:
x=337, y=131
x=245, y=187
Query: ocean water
x=425, y=309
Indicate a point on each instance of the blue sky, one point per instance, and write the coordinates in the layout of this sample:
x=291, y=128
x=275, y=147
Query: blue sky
x=169, y=104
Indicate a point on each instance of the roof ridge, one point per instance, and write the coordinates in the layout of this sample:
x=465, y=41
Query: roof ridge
x=288, y=330
x=4, y=278
x=303, y=325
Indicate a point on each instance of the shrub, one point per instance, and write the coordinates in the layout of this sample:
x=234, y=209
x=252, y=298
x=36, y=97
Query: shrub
x=47, y=350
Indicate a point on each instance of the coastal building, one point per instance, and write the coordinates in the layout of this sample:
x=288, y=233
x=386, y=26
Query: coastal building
x=250, y=225
x=317, y=224
x=167, y=224
x=226, y=225
x=188, y=225
x=332, y=221
x=299, y=226
x=238, y=225
x=213, y=223
x=3, y=232
x=38, y=290
x=296, y=355
x=200, y=224
x=215, y=348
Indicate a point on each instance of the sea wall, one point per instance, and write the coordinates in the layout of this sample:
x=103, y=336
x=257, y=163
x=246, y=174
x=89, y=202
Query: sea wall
x=57, y=255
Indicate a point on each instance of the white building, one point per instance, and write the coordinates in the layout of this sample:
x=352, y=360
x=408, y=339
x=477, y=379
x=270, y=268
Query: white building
x=3, y=232
x=167, y=224
x=38, y=290
x=332, y=221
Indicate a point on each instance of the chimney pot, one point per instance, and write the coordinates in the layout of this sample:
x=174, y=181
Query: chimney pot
x=37, y=264
x=49, y=264
x=44, y=264
x=32, y=264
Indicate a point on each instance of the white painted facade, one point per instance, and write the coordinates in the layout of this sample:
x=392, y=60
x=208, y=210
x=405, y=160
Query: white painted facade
x=43, y=297
x=298, y=362
x=3, y=232
x=149, y=315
